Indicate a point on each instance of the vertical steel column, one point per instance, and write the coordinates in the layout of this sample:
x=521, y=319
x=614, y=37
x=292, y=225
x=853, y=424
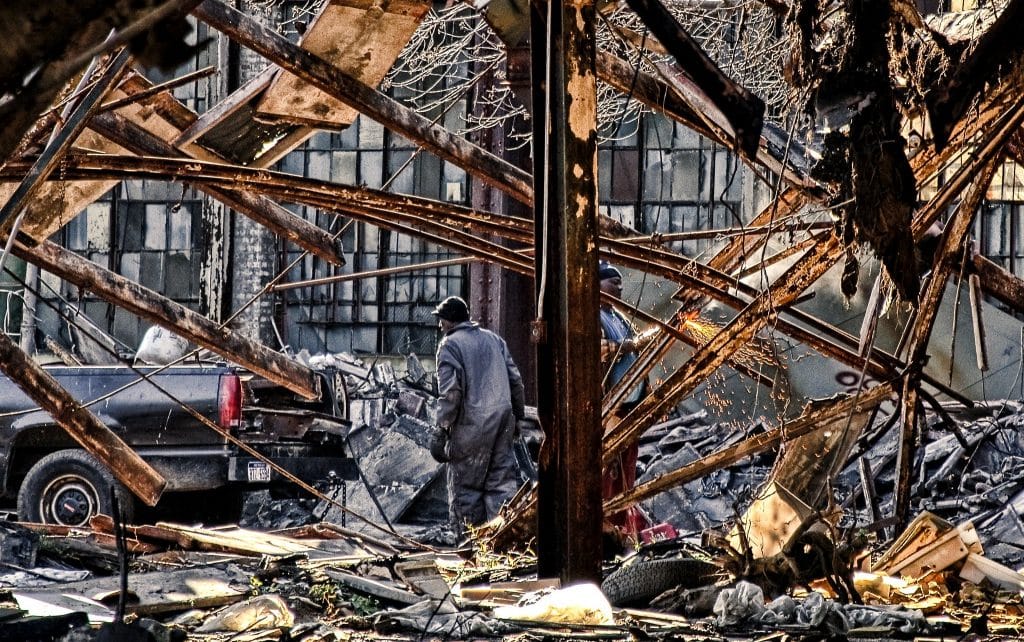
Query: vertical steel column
x=566, y=329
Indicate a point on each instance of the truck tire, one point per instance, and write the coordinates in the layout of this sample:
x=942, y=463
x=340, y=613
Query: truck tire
x=640, y=581
x=69, y=487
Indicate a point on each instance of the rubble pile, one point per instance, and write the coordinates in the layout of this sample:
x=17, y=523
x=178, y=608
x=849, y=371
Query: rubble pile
x=378, y=560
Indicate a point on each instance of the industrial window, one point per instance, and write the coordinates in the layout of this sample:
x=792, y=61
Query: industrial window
x=664, y=178
x=382, y=314
x=999, y=229
x=146, y=231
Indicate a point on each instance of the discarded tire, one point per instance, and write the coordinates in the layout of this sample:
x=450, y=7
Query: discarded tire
x=69, y=487
x=643, y=580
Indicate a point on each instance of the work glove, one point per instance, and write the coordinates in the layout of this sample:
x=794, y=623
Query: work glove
x=438, y=444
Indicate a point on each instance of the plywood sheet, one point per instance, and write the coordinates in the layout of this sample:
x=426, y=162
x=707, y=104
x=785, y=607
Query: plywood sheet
x=360, y=37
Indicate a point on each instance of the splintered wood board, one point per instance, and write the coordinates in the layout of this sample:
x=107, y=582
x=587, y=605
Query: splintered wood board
x=360, y=37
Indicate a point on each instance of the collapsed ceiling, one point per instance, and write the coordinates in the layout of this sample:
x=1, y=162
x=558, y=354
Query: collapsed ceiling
x=863, y=76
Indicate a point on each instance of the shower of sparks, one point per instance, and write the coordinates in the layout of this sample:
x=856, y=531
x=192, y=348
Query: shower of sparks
x=753, y=355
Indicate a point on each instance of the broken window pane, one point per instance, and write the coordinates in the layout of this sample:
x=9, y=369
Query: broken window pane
x=155, y=230
x=344, y=168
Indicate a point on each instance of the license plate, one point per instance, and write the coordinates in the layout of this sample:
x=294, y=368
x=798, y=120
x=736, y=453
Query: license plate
x=259, y=471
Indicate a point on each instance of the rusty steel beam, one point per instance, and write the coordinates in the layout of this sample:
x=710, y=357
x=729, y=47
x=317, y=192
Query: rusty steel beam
x=742, y=109
x=613, y=397
x=371, y=274
x=187, y=323
x=168, y=85
x=367, y=100
x=951, y=245
x=805, y=271
x=294, y=188
x=998, y=50
x=407, y=211
x=805, y=424
x=998, y=282
x=567, y=324
x=81, y=424
x=279, y=220
x=483, y=250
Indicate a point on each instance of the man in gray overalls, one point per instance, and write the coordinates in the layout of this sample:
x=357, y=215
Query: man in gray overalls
x=481, y=396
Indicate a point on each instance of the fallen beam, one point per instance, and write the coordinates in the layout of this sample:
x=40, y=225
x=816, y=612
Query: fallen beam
x=743, y=110
x=422, y=221
x=803, y=425
x=742, y=328
x=81, y=424
x=388, y=112
x=1000, y=45
x=951, y=245
x=59, y=144
x=187, y=323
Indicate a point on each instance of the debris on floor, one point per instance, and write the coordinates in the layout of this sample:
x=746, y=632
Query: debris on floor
x=950, y=571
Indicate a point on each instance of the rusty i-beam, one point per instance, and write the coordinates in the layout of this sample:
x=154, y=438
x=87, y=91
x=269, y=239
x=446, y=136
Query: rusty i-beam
x=274, y=217
x=951, y=245
x=191, y=325
x=566, y=329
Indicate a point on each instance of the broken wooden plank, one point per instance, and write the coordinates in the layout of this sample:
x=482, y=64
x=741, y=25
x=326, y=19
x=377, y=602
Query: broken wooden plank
x=81, y=424
x=388, y=112
x=185, y=322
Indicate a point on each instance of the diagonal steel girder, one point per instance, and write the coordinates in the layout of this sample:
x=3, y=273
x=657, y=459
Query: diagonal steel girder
x=321, y=74
x=769, y=439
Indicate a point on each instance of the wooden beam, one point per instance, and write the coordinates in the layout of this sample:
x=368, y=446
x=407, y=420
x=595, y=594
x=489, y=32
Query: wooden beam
x=61, y=142
x=806, y=423
x=187, y=323
x=349, y=90
x=81, y=424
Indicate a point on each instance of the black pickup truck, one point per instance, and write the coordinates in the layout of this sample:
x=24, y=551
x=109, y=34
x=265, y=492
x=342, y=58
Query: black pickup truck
x=58, y=482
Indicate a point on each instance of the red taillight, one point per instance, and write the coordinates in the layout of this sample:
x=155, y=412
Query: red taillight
x=230, y=401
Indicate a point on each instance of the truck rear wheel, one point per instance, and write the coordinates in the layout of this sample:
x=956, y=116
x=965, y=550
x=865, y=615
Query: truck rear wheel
x=69, y=487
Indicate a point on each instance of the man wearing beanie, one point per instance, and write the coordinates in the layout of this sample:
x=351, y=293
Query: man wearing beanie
x=481, y=396
x=620, y=344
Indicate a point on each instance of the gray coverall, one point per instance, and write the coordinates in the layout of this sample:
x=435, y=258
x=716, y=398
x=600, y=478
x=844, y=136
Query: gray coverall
x=480, y=397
